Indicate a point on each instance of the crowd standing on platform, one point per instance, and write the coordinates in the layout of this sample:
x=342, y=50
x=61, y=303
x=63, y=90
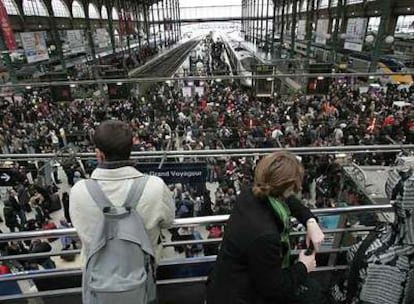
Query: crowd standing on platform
x=225, y=116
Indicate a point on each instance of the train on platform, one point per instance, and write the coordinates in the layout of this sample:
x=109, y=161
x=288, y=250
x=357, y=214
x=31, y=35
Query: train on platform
x=243, y=61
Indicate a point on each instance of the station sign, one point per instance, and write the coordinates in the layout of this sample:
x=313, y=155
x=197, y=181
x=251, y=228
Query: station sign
x=264, y=87
x=8, y=177
x=173, y=173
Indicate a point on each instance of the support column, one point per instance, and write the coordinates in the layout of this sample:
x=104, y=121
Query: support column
x=242, y=16
x=146, y=23
x=167, y=14
x=386, y=8
x=282, y=30
x=254, y=21
x=309, y=21
x=179, y=18
x=335, y=35
x=89, y=33
x=172, y=3
x=159, y=24
x=172, y=20
x=257, y=20
x=273, y=29
x=153, y=26
x=248, y=14
x=267, y=26
x=55, y=35
x=293, y=29
x=261, y=22
x=125, y=20
x=110, y=26
x=252, y=6
x=164, y=23
x=139, y=24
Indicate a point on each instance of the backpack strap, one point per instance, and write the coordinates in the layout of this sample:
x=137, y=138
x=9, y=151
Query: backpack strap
x=97, y=194
x=135, y=193
x=103, y=202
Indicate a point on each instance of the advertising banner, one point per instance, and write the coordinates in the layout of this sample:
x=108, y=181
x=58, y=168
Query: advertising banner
x=176, y=172
x=301, y=34
x=7, y=28
x=322, y=29
x=34, y=44
x=75, y=40
x=187, y=91
x=355, y=33
x=102, y=37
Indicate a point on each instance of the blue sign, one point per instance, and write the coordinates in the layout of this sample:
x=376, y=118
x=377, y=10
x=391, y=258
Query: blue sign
x=176, y=172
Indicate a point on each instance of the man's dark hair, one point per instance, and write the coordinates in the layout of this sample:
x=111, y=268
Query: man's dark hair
x=114, y=139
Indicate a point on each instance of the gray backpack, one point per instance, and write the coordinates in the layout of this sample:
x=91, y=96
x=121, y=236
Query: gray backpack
x=119, y=266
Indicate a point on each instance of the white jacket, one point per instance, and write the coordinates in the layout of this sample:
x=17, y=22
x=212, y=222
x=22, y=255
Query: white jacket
x=156, y=205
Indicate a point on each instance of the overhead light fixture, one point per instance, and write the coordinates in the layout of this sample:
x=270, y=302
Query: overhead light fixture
x=375, y=12
x=218, y=80
x=320, y=78
x=28, y=87
x=408, y=8
x=269, y=78
x=190, y=83
x=119, y=83
x=371, y=77
x=72, y=85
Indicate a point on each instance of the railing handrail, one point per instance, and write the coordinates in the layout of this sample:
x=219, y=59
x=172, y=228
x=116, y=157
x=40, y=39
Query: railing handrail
x=190, y=78
x=78, y=290
x=223, y=152
x=17, y=236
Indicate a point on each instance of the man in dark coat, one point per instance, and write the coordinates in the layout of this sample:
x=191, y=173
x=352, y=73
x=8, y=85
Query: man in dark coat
x=10, y=216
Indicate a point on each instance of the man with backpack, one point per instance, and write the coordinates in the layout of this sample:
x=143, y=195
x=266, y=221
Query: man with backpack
x=119, y=213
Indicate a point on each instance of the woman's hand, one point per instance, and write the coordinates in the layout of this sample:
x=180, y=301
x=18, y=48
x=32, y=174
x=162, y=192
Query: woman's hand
x=308, y=260
x=314, y=234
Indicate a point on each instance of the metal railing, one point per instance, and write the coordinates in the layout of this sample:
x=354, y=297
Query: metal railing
x=226, y=152
x=219, y=219
x=191, y=78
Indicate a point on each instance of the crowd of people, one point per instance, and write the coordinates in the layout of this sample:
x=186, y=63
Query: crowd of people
x=224, y=116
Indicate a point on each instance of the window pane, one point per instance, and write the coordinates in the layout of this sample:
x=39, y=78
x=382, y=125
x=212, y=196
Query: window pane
x=34, y=8
x=304, y=6
x=77, y=10
x=324, y=3
x=373, y=24
x=115, y=14
x=11, y=7
x=104, y=12
x=93, y=12
x=405, y=25
x=60, y=9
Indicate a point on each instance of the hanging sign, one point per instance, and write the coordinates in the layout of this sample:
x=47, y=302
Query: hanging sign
x=7, y=28
x=355, y=34
x=75, y=41
x=34, y=44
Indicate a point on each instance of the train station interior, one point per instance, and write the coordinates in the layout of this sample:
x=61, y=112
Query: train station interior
x=208, y=90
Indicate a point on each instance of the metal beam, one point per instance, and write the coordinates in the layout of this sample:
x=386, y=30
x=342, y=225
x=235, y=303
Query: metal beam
x=190, y=78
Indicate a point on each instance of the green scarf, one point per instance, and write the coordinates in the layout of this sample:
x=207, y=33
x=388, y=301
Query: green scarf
x=282, y=210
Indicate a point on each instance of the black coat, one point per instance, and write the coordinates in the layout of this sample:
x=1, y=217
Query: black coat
x=249, y=264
